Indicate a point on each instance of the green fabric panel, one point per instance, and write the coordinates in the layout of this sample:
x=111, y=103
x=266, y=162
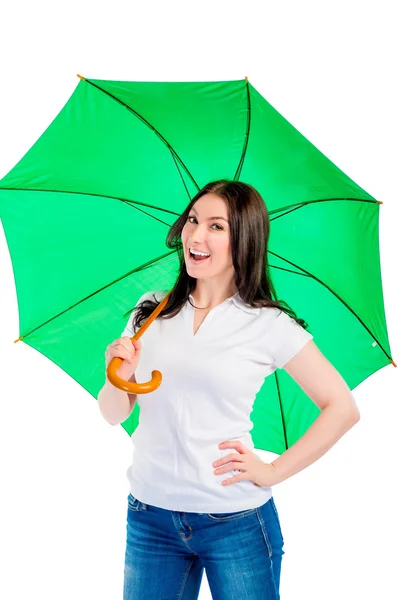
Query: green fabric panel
x=87, y=209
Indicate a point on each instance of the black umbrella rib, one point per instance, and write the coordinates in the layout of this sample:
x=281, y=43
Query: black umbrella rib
x=148, y=124
x=140, y=268
x=181, y=176
x=246, y=137
x=130, y=203
x=305, y=273
x=288, y=209
x=278, y=389
x=292, y=208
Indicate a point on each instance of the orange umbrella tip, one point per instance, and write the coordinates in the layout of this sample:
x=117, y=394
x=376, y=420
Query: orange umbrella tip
x=246, y=78
x=18, y=340
x=393, y=363
x=380, y=202
x=81, y=77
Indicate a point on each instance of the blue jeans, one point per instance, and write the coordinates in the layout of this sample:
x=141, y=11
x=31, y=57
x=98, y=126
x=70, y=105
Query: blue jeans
x=167, y=551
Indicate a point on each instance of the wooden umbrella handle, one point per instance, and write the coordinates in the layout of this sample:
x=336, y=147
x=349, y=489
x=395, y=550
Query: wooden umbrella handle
x=115, y=363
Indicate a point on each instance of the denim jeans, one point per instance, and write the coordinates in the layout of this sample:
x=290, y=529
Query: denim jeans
x=167, y=551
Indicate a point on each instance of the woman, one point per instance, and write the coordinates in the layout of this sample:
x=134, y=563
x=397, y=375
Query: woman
x=195, y=504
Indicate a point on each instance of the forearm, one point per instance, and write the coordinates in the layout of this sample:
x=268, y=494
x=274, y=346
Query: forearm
x=115, y=405
x=330, y=425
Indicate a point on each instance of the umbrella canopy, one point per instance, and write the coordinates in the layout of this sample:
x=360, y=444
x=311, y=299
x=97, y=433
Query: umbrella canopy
x=87, y=209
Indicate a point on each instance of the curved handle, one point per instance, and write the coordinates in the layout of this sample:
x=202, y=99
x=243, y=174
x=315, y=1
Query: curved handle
x=115, y=363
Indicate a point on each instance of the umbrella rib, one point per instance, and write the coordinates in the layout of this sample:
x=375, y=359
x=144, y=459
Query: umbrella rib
x=278, y=389
x=148, y=124
x=148, y=214
x=290, y=208
x=181, y=176
x=140, y=268
x=246, y=137
x=305, y=273
x=124, y=200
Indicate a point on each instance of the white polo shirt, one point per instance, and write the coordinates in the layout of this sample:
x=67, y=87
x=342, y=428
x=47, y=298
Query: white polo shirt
x=209, y=385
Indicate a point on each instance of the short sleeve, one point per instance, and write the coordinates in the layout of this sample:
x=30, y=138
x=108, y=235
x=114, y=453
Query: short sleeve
x=287, y=338
x=128, y=331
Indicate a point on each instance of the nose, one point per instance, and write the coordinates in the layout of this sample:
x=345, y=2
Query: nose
x=198, y=236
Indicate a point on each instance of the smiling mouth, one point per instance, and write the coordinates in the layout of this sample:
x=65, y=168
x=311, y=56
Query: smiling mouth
x=196, y=259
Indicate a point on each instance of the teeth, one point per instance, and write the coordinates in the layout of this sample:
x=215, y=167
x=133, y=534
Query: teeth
x=199, y=253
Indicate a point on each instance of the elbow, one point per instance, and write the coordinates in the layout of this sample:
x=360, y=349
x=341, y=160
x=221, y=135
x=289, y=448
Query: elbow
x=352, y=417
x=113, y=423
x=108, y=420
x=356, y=416
x=347, y=407
x=104, y=415
x=347, y=415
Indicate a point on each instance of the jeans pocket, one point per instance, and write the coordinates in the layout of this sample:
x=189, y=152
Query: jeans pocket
x=135, y=504
x=231, y=515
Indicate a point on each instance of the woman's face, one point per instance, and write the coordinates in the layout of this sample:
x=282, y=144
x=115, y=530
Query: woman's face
x=207, y=230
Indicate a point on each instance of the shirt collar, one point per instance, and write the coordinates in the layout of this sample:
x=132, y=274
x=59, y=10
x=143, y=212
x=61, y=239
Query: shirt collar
x=237, y=301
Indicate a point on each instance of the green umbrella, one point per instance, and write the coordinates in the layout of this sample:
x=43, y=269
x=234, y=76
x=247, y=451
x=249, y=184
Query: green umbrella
x=87, y=209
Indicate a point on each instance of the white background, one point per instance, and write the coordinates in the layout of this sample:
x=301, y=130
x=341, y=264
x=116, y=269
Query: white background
x=331, y=68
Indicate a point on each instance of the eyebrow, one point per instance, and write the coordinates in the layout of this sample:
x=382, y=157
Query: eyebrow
x=210, y=218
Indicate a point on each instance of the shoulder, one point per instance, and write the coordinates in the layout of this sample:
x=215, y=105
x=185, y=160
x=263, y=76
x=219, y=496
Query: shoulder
x=278, y=317
x=274, y=316
x=285, y=337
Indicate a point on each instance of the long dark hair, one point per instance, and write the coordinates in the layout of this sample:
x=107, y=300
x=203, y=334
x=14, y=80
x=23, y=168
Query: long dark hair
x=249, y=234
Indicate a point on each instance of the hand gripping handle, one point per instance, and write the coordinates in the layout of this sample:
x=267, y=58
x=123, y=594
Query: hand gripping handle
x=115, y=363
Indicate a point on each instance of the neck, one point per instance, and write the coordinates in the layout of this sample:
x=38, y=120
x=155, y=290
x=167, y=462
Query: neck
x=206, y=297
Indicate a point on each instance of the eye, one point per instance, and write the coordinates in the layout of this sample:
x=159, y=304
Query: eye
x=216, y=224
